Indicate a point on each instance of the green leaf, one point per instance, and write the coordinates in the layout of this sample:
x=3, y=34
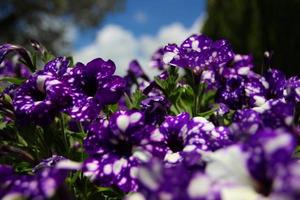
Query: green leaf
x=135, y=100
x=186, y=99
x=47, y=57
x=170, y=84
x=207, y=114
x=7, y=99
x=71, y=61
x=208, y=98
x=297, y=152
x=14, y=80
x=3, y=125
x=109, y=109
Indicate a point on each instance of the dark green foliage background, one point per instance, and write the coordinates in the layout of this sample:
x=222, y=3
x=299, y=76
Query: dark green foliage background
x=256, y=26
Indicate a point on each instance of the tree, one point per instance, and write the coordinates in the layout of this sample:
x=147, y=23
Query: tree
x=50, y=22
x=254, y=26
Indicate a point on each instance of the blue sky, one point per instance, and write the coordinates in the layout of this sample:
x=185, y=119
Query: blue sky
x=136, y=32
x=148, y=16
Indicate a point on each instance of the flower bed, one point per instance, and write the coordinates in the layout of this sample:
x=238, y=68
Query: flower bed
x=208, y=127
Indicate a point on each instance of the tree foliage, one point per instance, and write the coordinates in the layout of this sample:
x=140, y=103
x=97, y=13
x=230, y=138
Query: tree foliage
x=50, y=22
x=259, y=25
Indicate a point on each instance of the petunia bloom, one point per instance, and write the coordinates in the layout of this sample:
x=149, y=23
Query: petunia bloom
x=116, y=147
x=198, y=53
x=92, y=87
x=40, y=98
x=48, y=177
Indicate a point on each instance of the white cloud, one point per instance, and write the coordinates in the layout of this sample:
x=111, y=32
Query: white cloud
x=116, y=43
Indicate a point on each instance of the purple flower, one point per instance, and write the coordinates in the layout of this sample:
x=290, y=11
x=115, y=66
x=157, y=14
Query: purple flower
x=222, y=110
x=12, y=69
x=6, y=177
x=117, y=146
x=7, y=48
x=42, y=185
x=164, y=75
x=205, y=136
x=198, y=53
x=269, y=152
x=156, y=108
x=173, y=131
x=272, y=114
x=255, y=163
x=159, y=182
x=255, y=91
x=228, y=170
x=186, y=138
x=245, y=122
x=134, y=74
x=155, y=181
x=58, y=66
x=241, y=65
x=232, y=93
x=40, y=98
x=286, y=184
x=136, y=69
x=157, y=59
x=292, y=89
x=276, y=113
x=276, y=81
x=93, y=86
x=48, y=163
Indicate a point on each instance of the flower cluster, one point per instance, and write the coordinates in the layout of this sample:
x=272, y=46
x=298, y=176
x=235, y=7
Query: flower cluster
x=48, y=176
x=81, y=91
x=219, y=130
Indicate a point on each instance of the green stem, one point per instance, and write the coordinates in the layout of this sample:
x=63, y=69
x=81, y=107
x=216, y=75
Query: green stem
x=80, y=127
x=200, y=96
x=177, y=109
x=198, y=90
x=66, y=142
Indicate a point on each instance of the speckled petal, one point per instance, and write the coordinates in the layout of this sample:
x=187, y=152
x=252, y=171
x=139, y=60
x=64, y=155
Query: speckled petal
x=292, y=89
x=93, y=86
x=270, y=150
x=40, y=98
x=157, y=59
x=110, y=90
x=58, y=66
